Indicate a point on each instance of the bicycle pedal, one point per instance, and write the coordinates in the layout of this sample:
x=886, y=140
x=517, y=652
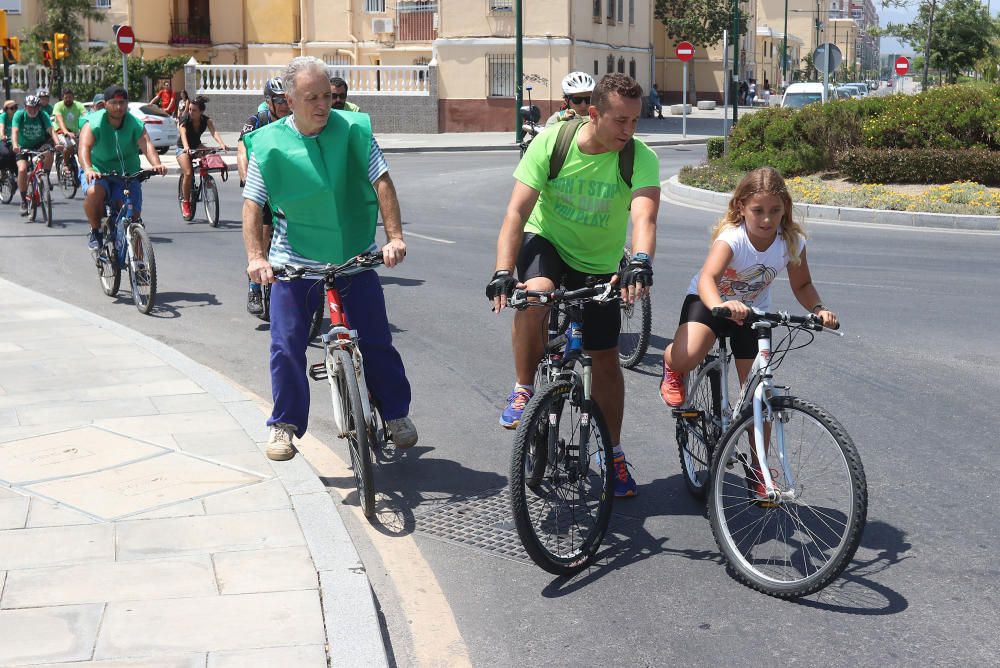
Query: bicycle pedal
x=685, y=413
x=318, y=371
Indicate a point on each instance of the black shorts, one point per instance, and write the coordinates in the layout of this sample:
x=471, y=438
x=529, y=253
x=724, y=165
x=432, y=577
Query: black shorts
x=742, y=340
x=601, y=322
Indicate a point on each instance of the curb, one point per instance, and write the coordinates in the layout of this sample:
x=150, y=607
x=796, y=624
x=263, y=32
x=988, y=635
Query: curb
x=843, y=214
x=350, y=618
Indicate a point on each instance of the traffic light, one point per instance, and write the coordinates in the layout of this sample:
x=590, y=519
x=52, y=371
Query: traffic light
x=61, y=46
x=12, y=49
x=47, y=54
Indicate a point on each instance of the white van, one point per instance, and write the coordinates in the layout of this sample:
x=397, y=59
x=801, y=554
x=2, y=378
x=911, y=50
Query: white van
x=800, y=94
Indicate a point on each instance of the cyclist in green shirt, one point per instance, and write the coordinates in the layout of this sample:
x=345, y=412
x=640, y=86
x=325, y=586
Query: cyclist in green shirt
x=68, y=115
x=574, y=226
x=43, y=98
x=6, y=121
x=338, y=89
x=111, y=141
x=32, y=130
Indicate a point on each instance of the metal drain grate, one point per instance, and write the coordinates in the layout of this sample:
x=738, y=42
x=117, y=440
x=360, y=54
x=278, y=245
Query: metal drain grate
x=483, y=522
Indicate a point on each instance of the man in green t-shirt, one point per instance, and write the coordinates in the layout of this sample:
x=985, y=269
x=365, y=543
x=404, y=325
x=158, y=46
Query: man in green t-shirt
x=43, y=99
x=574, y=226
x=111, y=141
x=33, y=132
x=68, y=115
x=338, y=91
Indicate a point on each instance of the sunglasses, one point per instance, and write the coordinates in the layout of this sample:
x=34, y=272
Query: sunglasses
x=579, y=99
x=279, y=99
x=10, y=108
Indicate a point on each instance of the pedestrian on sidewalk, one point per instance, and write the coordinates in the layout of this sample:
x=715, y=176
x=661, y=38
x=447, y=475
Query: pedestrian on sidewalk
x=334, y=152
x=654, y=102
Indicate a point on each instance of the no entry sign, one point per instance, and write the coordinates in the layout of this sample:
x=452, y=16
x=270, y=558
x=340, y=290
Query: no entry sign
x=125, y=39
x=902, y=65
x=685, y=51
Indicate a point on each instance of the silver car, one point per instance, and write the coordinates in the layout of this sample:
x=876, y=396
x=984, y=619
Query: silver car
x=159, y=124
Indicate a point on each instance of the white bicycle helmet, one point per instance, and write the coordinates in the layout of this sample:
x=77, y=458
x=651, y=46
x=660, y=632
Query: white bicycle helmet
x=577, y=82
x=42, y=92
x=275, y=86
x=31, y=101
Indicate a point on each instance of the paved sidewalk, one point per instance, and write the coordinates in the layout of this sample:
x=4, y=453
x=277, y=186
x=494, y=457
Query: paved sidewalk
x=141, y=523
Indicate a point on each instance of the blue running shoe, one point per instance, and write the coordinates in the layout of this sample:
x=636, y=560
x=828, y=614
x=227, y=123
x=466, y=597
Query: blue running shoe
x=624, y=484
x=516, y=402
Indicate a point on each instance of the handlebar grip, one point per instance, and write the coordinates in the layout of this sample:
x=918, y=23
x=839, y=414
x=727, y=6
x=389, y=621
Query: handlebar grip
x=722, y=312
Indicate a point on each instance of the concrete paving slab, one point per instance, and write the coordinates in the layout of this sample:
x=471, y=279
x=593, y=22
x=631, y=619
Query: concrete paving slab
x=251, y=418
x=256, y=462
x=348, y=600
x=177, y=661
x=192, y=508
x=147, y=539
x=69, y=633
x=84, y=410
x=216, y=443
x=69, y=453
x=255, y=571
x=306, y=656
x=44, y=513
x=267, y=495
x=14, y=512
x=13, y=400
x=213, y=623
x=11, y=434
x=9, y=347
x=161, y=388
x=143, y=486
x=113, y=581
x=33, y=314
x=56, y=546
x=8, y=418
x=175, y=423
x=184, y=403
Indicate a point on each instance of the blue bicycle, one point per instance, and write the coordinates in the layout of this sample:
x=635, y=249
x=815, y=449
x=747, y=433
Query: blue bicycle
x=127, y=244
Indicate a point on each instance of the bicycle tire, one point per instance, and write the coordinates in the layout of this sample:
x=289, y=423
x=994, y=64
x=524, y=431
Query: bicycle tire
x=696, y=436
x=733, y=511
x=109, y=272
x=557, y=550
x=32, y=198
x=8, y=185
x=66, y=177
x=357, y=437
x=45, y=197
x=210, y=197
x=142, y=269
x=637, y=325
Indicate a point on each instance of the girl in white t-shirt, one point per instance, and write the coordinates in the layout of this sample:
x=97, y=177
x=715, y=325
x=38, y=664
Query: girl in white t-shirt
x=751, y=245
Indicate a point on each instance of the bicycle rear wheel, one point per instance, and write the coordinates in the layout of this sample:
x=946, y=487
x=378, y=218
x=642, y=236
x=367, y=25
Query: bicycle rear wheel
x=562, y=513
x=8, y=185
x=797, y=544
x=210, y=196
x=355, y=428
x=633, y=340
x=109, y=272
x=142, y=269
x=697, y=431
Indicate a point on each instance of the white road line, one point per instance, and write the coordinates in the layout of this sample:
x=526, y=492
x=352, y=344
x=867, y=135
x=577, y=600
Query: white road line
x=407, y=233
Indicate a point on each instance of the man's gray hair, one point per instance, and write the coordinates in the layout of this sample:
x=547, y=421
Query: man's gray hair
x=299, y=65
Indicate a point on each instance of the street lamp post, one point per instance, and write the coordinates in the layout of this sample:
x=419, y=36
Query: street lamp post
x=784, y=50
x=736, y=61
x=518, y=70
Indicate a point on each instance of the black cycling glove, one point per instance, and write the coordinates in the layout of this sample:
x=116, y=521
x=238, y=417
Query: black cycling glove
x=637, y=272
x=502, y=283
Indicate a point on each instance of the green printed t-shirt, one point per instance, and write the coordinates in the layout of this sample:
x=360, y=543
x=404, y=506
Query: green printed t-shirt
x=31, y=132
x=584, y=211
x=115, y=149
x=72, y=114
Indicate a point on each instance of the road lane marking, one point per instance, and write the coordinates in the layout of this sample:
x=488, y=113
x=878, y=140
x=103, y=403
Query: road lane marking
x=429, y=238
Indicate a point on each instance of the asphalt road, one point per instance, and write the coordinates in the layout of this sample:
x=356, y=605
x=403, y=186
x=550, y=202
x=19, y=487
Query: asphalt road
x=923, y=587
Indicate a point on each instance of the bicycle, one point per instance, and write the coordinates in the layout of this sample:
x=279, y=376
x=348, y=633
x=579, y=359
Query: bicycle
x=315, y=320
x=126, y=243
x=39, y=189
x=67, y=172
x=529, y=114
x=561, y=473
x=356, y=415
x=8, y=177
x=787, y=496
x=204, y=161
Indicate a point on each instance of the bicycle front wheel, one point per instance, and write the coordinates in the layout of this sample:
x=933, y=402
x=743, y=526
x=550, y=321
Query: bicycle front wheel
x=210, y=196
x=8, y=185
x=633, y=340
x=32, y=198
x=697, y=431
x=356, y=429
x=265, y=297
x=796, y=544
x=560, y=490
x=142, y=269
x=66, y=176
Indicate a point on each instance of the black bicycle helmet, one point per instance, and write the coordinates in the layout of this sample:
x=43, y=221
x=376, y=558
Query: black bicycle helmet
x=274, y=87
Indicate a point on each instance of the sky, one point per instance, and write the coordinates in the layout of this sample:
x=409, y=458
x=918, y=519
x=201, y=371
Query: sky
x=889, y=15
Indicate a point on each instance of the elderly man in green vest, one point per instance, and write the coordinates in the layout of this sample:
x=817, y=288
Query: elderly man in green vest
x=325, y=178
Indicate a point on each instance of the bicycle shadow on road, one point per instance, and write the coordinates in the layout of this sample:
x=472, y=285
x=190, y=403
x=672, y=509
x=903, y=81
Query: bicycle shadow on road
x=170, y=304
x=399, y=280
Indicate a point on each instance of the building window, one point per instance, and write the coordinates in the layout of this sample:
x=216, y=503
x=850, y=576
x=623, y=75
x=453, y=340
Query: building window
x=611, y=63
x=500, y=74
x=631, y=68
x=375, y=6
x=102, y=4
x=597, y=10
x=596, y=69
x=621, y=65
x=611, y=11
x=631, y=12
x=501, y=6
x=621, y=11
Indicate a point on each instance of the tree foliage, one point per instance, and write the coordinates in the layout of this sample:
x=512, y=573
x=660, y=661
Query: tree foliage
x=700, y=22
x=109, y=62
x=65, y=16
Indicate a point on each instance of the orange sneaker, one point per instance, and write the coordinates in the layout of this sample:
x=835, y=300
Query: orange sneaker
x=672, y=387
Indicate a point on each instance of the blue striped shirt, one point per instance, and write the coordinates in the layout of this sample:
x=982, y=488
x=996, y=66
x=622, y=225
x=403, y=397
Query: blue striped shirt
x=256, y=191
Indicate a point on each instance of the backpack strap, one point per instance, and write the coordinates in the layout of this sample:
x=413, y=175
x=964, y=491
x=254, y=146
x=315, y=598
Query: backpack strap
x=567, y=133
x=626, y=162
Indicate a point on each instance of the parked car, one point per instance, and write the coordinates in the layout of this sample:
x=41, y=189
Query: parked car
x=799, y=95
x=861, y=87
x=159, y=124
x=844, y=92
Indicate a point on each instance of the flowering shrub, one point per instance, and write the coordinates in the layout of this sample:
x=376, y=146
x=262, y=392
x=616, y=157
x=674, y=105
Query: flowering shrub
x=963, y=197
x=927, y=165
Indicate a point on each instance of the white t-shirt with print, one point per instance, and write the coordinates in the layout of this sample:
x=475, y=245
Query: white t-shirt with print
x=750, y=273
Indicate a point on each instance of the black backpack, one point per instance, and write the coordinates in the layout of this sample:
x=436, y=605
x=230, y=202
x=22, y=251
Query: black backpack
x=567, y=132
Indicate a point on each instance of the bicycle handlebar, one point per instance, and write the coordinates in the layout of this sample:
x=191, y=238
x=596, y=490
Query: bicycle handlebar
x=141, y=175
x=602, y=292
x=291, y=272
x=811, y=321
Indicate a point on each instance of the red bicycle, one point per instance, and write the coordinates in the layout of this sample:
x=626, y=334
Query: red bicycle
x=204, y=161
x=39, y=188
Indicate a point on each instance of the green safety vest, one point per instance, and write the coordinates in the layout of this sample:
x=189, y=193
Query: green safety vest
x=320, y=185
x=115, y=149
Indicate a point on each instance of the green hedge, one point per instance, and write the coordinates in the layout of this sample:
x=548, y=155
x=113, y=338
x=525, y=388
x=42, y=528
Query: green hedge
x=921, y=165
x=950, y=117
x=715, y=147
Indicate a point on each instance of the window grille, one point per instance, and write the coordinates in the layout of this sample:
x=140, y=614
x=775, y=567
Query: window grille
x=500, y=74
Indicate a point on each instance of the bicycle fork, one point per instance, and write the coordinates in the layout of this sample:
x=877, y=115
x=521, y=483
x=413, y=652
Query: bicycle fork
x=768, y=399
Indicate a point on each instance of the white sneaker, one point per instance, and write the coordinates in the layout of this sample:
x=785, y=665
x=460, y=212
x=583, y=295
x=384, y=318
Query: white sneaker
x=402, y=432
x=279, y=446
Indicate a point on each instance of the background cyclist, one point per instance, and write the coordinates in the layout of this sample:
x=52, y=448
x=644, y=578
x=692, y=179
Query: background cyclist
x=338, y=89
x=43, y=100
x=574, y=226
x=190, y=128
x=68, y=115
x=32, y=130
x=101, y=141
x=275, y=107
x=577, y=88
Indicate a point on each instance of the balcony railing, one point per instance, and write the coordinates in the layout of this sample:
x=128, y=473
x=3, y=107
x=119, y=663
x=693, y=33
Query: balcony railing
x=361, y=79
x=190, y=32
x=416, y=21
